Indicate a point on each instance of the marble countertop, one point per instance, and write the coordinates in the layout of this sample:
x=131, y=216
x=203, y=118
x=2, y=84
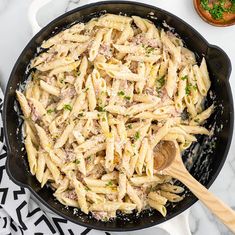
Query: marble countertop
x=16, y=32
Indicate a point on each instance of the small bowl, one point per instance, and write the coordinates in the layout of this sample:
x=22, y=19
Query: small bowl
x=206, y=16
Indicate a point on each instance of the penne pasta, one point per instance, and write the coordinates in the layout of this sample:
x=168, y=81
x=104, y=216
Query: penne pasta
x=101, y=99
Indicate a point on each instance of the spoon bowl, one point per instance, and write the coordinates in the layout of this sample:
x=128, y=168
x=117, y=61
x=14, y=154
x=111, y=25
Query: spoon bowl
x=164, y=155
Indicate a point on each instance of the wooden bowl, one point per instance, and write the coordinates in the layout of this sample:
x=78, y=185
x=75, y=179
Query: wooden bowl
x=228, y=20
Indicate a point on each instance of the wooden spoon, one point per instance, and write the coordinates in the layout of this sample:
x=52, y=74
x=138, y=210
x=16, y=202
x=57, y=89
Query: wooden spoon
x=167, y=159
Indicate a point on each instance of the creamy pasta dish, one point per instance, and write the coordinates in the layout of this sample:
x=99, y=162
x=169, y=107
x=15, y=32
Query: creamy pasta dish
x=101, y=97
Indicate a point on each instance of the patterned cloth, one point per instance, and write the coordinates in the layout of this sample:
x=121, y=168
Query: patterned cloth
x=22, y=214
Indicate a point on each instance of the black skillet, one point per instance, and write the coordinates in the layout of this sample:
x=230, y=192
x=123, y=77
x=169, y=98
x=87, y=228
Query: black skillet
x=211, y=152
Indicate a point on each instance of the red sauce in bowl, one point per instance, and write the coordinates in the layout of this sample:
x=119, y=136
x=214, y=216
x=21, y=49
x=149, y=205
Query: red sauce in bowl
x=216, y=12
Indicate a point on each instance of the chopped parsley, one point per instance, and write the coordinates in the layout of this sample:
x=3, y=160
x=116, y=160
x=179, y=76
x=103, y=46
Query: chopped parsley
x=197, y=120
x=160, y=82
x=50, y=111
x=129, y=126
x=87, y=189
x=78, y=73
x=137, y=136
x=204, y=4
x=159, y=92
x=148, y=49
x=86, y=89
x=110, y=183
x=103, y=119
x=218, y=8
x=217, y=11
x=127, y=97
x=184, y=77
x=189, y=88
x=100, y=109
x=121, y=93
x=77, y=161
x=68, y=107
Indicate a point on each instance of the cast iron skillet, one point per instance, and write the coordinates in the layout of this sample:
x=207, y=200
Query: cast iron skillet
x=211, y=151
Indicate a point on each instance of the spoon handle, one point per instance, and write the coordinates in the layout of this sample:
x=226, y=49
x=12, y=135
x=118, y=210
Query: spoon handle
x=214, y=204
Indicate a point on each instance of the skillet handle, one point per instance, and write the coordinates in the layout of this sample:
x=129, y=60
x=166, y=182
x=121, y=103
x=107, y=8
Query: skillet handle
x=34, y=7
x=178, y=225
x=218, y=61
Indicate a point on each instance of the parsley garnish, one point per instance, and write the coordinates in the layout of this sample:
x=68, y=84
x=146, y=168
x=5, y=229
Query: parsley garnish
x=129, y=126
x=197, y=120
x=110, y=183
x=137, y=136
x=218, y=8
x=121, y=93
x=77, y=161
x=217, y=11
x=184, y=77
x=160, y=82
x=103, y=119
x=50, y=111
x=188, y=88
x=204, y=4
x=86, y=89
x=127, y=97
x=100, y=109
x=149, y=49
x=67, y=107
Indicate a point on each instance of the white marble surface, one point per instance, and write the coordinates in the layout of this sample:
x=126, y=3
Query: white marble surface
x=15, y=32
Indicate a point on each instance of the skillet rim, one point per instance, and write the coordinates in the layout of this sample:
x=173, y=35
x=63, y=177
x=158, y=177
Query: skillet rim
x=64, y=16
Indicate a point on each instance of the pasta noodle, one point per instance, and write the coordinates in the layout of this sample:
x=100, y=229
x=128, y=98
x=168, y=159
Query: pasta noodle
x=102, y=96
